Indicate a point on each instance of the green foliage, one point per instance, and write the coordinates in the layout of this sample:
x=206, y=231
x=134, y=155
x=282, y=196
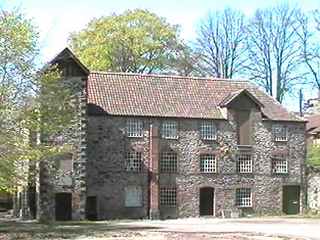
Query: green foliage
x=18, y=51
x=135, y=41
x=30, y=103
x=313, y=158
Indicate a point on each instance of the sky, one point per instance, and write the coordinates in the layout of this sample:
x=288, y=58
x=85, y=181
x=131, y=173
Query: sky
x=56, y=19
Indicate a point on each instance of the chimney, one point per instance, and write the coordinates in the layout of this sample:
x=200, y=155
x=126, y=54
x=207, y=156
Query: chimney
x=154, y=212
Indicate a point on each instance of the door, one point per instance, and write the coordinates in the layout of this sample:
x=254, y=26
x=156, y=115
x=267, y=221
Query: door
x=206, y=201
x=63, y=204
x=243, y=119
x=291, y=199
x=91, y=208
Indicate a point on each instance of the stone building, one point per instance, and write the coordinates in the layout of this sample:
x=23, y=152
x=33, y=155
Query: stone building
x=157, y=146
x=313, y=172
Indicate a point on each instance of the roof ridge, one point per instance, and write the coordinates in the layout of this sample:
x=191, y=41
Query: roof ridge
x=171, y=76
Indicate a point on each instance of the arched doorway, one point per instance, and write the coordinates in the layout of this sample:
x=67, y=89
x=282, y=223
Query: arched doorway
x=206, y=201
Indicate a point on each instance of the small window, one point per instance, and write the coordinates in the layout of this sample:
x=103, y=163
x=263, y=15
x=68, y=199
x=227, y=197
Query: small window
x=168, y=162
x=133, y=196
x=243, y=197
x=244, y=163
x=134, y=128
x=280, y=133
x=279, y=165
x=208, y=163
x=133, y=162
x=169, y=130
x=208, y=131
x=168, y=196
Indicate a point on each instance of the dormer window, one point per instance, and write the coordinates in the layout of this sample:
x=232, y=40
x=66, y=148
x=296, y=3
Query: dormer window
x=280, y=133
x=134, y=128
x=169, y=129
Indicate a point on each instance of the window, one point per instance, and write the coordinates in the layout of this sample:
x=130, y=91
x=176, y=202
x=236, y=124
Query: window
x=280, y=133
x=279, y=165
x=134, y=128
x=168, y=196
x=133, y=196
x=169, y=130
x=244, y=163
x=208, y=131
x=133, y=162
x=243, y=197
x=168, y=162
x=207, y=163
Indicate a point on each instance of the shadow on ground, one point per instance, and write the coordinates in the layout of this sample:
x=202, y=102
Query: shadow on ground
x=64, y=230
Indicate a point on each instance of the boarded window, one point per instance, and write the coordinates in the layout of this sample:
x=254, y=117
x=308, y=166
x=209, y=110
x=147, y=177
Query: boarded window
x=133, y=196
x=65, y=171
x=168, y=162
x=243, y=120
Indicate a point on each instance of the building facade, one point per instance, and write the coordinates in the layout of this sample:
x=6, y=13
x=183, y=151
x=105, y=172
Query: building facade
x=153, y=146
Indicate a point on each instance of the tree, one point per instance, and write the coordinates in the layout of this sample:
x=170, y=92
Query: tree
x=135, y=41
x=220, y=42
x=273, y=50
x=313, y=158
x=31, y=102
x=18, y=50
x=185, y=62
x=310, y=48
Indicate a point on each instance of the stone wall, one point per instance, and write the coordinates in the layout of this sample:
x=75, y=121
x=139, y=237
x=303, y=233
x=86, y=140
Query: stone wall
x=107, y=178
x=48, y=179
x=313, y=193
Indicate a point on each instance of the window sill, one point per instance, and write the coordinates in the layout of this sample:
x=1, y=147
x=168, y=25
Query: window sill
x=134, y=136
x=280, y=174
x=280, y=141
x=242, y=207
x=167, y=138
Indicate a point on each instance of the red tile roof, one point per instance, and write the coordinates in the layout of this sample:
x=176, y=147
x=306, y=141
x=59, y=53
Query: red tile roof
x=313, y=123
x=173, y=96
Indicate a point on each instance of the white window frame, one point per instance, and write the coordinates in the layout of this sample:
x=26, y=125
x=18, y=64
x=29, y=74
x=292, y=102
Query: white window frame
x=243, y=197
x=208, y=163
x=279, y=165
x=168, y=162
x=133, y=196
x=208, y=130
x=244, y=163
x=280, y=132
x=134, y=161
x=168, y=196
x=169, y=129
x=134, y=128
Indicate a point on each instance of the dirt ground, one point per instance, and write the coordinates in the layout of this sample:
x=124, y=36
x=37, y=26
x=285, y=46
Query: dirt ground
x=181, y=229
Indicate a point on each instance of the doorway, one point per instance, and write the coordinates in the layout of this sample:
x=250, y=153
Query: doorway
x=63, y=204
x=291, y=199
x=91, y=208
x=206, y=201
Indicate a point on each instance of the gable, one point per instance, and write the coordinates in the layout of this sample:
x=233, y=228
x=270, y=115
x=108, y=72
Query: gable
x=242, y=100
x=69, y=64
